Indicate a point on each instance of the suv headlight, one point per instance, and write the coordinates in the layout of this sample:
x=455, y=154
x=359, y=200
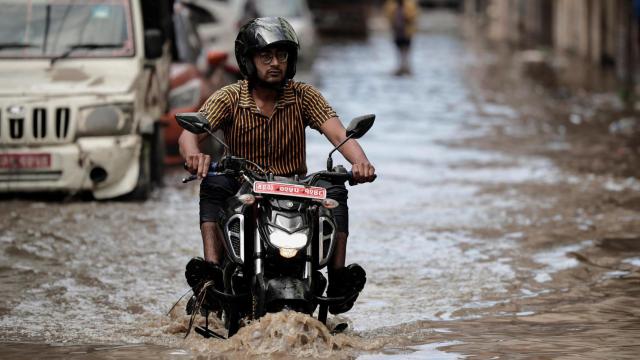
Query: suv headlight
x=105, y=120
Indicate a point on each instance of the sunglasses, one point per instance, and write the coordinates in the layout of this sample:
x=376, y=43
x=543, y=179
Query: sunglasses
x=267, y=56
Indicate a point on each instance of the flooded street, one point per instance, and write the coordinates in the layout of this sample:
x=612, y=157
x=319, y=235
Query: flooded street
x=479, y=237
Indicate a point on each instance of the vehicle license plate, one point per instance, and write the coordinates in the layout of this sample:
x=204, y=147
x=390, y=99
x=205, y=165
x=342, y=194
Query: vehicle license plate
x=25, y=161
x=274, y=188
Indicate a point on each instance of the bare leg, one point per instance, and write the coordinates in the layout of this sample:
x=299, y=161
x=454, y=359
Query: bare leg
x=404, y=60
x=343, y=280
x=339, y=252
x=400, y=61
x=212, y=242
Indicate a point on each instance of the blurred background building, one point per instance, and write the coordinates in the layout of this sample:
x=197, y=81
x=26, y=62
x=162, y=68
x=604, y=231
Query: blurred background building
x=603, y=33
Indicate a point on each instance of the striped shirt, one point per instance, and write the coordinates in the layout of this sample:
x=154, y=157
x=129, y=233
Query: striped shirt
x=276, y=143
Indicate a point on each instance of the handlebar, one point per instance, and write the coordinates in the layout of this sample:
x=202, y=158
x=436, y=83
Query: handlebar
x=352, y=183
x=228, y=165
x=219, y=168
x=338, y=176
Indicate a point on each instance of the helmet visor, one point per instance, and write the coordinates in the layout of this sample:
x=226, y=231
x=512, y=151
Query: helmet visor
x=271, y=31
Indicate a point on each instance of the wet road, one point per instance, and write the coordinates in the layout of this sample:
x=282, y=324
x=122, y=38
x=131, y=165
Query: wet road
x=474, y=242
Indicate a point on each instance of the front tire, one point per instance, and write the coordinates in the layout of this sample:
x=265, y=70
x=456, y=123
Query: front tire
x=151, y=170
x=158, y=153
x=143, y=188
x=232, y=321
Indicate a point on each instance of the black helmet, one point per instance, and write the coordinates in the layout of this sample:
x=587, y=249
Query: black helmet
x=259, y=33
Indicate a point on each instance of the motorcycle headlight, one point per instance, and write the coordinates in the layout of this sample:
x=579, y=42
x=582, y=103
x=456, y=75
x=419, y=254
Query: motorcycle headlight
x=187, y=95
x=105, y=120
x=288, y=244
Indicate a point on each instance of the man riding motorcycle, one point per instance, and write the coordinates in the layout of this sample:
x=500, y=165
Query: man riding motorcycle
x=263, y=118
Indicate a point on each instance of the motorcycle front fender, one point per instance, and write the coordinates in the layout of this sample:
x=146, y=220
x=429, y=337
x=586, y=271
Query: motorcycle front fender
x=283, y=291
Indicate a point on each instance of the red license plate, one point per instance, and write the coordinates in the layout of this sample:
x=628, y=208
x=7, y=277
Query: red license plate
x=25, y=161
x=274, y=188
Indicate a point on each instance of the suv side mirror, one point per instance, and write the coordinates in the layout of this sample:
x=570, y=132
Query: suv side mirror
x=153, y=43
x=360, y=125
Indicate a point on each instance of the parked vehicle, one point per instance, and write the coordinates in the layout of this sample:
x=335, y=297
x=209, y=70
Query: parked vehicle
x=84, y=86
x=195, y=73
x=453, y=4
x=299, y=16
x=279, y=233
x=218, y=24
x=219, y=29
x=342, y=18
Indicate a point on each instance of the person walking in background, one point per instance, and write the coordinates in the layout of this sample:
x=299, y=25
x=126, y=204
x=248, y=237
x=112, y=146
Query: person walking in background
x=402, y=15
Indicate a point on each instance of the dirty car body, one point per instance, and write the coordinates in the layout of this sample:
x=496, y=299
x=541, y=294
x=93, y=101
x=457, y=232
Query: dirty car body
x=83, y=87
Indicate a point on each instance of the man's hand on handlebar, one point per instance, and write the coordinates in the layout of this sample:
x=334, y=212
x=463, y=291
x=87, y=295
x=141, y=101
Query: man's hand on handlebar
x=198, y=164
x=363, y=172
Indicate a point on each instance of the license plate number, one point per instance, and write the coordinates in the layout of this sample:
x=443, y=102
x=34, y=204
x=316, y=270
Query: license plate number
x=25, y=161
x=274, y=188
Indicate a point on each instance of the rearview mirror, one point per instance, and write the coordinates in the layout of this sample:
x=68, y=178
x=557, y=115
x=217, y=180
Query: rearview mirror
x=153, y=43
x=356, y=129
x=360, y=125
x=193, y=122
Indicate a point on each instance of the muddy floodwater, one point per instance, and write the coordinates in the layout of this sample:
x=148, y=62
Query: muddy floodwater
x=479, y=238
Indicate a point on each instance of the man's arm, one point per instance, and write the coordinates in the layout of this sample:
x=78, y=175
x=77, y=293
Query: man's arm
x=362, y=169
x=195, y=161
x=216, y=109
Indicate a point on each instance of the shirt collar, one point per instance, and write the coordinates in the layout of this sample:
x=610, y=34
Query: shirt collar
x=286, y=96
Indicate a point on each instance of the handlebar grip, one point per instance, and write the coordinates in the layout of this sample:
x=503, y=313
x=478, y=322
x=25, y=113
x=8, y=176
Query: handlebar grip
x=213, y=168
x=353, y=183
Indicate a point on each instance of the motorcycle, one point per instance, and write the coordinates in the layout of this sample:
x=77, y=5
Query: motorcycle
x=279, y=233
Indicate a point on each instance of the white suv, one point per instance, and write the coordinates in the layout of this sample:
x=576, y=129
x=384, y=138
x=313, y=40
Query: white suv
x=83, y=87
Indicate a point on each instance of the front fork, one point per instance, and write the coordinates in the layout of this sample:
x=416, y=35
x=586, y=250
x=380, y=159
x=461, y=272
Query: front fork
x=257, y=252
x=258, y=284
x=312, y=249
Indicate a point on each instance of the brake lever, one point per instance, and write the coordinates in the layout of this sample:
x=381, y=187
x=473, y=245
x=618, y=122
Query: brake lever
x=212, y=171
x=189, y=178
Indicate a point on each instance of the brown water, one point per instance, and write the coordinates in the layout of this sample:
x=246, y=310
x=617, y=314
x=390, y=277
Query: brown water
x=479, y=237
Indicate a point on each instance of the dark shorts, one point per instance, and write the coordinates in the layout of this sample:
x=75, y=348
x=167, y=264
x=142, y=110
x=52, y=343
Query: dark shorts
x=215, y=190
x=402, y=42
